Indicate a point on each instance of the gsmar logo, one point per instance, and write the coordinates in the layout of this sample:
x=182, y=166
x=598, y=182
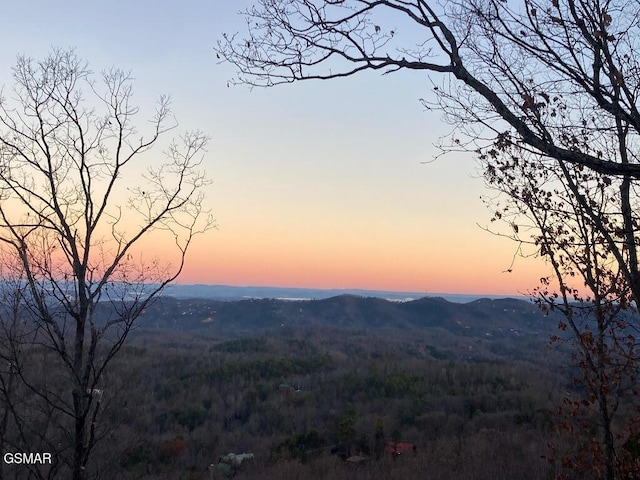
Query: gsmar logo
x=25, y=458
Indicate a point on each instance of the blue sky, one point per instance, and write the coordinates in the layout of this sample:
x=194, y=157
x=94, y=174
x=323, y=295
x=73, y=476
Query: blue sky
x=317, y=184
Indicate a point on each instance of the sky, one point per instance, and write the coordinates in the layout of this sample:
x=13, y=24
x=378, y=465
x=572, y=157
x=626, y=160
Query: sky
x=315, y=184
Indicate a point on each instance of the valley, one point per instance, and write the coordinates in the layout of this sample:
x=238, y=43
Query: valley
x=472, y=386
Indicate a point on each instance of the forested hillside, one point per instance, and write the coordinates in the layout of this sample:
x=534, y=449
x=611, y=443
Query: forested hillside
x=357, y=374
x=509, y=326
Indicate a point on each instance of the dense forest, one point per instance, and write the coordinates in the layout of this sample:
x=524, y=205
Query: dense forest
x=330, y=399
x=346, y=387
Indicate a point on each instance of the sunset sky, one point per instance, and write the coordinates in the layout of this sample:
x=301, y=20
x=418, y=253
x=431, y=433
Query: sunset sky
x=317, y=184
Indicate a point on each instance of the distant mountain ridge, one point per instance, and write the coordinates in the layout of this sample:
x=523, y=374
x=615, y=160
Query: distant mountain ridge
x=495, y=318
x=228, y=292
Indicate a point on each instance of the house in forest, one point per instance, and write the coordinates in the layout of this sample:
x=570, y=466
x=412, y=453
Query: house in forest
x=396, y=449
x=286, y=388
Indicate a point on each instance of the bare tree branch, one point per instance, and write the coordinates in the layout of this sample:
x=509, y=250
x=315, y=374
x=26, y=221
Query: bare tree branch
x=68, y=254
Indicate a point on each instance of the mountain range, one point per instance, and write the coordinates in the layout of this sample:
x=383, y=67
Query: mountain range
x=229, y=292
x=505, y=327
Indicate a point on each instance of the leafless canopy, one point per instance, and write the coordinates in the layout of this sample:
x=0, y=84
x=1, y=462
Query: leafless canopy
x=76, y=205
x=541, y=70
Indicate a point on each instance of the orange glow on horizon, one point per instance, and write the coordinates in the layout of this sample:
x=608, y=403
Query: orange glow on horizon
x=324, y=266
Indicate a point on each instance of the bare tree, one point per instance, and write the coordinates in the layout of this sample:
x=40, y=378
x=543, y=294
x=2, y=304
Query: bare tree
x=573, y=218
x=527, y=65
x=546, y=93
x=76, y=205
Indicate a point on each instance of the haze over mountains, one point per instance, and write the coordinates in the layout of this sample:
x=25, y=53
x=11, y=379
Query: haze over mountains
x=227, y=292
x=486, y=327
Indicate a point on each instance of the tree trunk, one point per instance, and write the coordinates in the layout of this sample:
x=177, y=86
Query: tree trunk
x=78, y=441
